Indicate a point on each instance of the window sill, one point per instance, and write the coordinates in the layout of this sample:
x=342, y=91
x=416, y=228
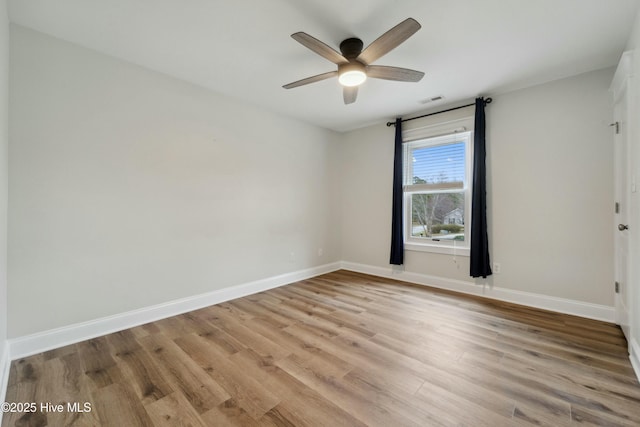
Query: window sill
x=439, y=249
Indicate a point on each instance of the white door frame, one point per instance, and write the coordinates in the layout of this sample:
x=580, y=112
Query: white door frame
x=624, y=186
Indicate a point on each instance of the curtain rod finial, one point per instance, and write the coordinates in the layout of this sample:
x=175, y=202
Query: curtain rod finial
x=389, y=124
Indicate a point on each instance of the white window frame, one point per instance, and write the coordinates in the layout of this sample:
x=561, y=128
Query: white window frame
x=437, y=135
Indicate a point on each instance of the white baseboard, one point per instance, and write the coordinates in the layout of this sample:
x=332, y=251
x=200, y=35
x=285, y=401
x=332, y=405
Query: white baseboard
x=47, y=340
x=5, y=364
x=634, y=356
x=59, y=337
x=36, y=343
x=561, y=305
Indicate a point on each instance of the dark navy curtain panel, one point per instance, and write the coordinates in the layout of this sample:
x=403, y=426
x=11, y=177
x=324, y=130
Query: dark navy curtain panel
x=397, y=243
x=479, y=257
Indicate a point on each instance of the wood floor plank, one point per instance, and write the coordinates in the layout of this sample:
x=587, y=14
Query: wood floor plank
x=589, y=417
x=341, y=349
x=590, y=359
x=301, y=405
x=145, y=378
x=308, y=289
x=321, y=326
x=116, y=406
x=184, y=374
x=339, y=392
x=528, y=415
x=62, y=383
x=463, y=412
x=173, y=410
x=259, y=312
x=373, y=363
x=248, y=393
x=221, y=339
x=26, y=376
x=586, y=384
x=248, y=338
x=97, y=362
x=491, y=375
x=229, y=414
x=392, y=399
x=281, y=337
x=583, y=397
x=464, y=388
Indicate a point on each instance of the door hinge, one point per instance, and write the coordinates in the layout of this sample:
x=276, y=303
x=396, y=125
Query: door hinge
x=617, y=126
x=617, y=207
x=617, y=287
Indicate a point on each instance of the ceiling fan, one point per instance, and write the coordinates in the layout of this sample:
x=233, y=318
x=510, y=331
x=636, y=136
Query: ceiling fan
x=354, y=64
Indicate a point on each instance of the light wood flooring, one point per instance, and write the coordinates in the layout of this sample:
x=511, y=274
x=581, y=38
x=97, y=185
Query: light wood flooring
x=342, y=349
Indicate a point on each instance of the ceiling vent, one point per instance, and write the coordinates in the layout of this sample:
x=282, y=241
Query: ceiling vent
x=433, y=99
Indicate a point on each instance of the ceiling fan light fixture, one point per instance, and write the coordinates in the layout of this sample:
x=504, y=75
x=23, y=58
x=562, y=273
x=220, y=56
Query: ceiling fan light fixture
x=352, y=74
x=354, y=64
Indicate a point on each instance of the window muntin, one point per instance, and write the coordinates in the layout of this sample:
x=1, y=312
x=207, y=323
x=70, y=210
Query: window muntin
x=437, y=191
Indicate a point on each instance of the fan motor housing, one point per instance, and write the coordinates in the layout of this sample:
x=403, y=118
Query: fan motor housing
x=351, y=48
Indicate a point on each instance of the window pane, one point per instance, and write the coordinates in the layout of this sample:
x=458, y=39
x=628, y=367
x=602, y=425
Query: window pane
x=438, y=216
x=438, y=164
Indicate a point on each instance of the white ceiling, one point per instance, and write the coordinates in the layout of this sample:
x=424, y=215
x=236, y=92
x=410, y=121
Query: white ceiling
x=242, y=48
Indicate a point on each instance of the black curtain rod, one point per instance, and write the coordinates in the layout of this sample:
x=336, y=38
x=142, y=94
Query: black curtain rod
x=486, y=101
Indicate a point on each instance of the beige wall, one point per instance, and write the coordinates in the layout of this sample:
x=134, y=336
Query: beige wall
x=549, y=153
x=4, y=142
x=129, y=188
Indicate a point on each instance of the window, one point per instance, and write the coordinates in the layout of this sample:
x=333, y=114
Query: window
x=437, y=193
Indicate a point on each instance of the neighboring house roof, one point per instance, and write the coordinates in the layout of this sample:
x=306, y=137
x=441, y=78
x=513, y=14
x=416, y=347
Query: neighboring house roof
x=456, y=211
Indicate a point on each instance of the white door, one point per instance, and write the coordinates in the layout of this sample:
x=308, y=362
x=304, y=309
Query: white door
x=621, y=223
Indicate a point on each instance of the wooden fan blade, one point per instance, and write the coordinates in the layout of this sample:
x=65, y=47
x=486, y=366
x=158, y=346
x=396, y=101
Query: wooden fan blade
x=311, y=79
x=318, y=47
x=394, y=73
x=389, y=40
x=350, y=94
